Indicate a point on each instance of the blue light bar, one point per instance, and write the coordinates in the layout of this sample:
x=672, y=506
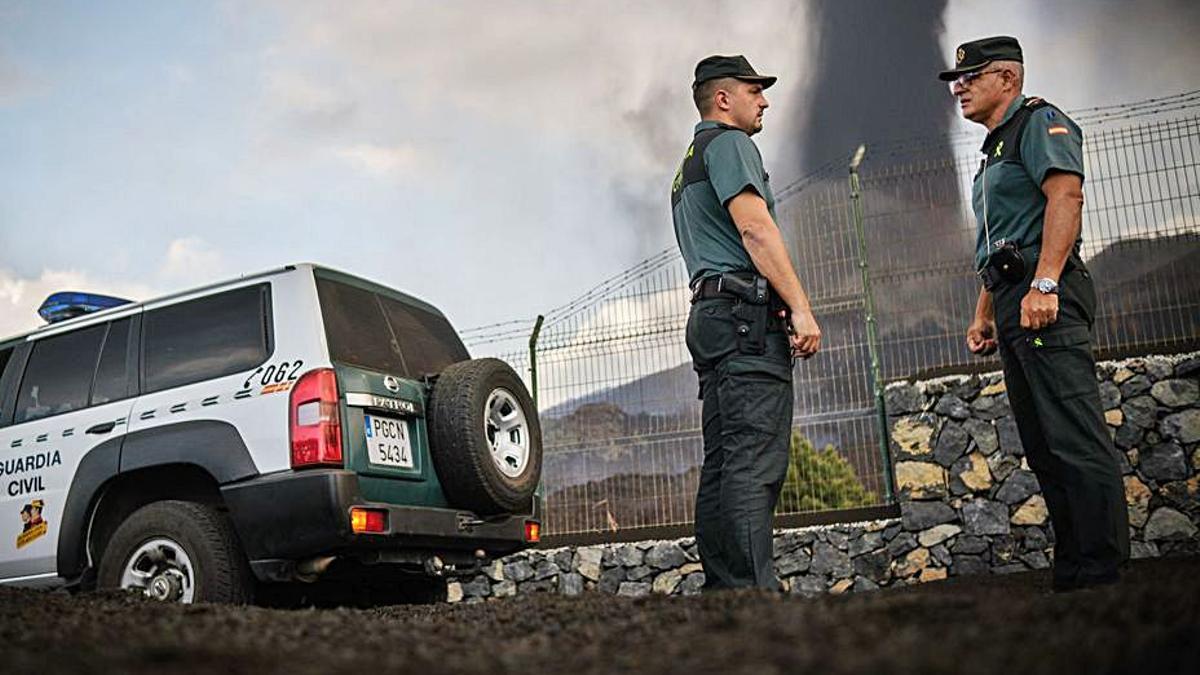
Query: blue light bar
x=70, y=304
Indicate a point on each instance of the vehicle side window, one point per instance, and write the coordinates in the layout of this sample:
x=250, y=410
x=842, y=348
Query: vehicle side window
x=59, y=374
x=205, y=338
x=112, y=377
x=5, y=357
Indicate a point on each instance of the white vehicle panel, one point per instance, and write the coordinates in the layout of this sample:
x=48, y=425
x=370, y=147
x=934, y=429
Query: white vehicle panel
x=40, y=470
x=254, y=401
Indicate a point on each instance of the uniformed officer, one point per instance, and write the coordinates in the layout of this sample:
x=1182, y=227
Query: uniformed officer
x=749, y=318
x=1038, y=303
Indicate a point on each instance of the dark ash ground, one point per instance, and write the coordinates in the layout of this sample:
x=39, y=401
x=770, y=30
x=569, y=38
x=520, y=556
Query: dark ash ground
x=1009, y=624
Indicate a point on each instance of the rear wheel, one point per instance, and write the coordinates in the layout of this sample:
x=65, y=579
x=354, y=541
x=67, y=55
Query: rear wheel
x=177, y=551
x=485, y=438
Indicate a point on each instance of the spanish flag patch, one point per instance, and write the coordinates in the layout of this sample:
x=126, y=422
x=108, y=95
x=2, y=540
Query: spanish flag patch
x=1057, y=129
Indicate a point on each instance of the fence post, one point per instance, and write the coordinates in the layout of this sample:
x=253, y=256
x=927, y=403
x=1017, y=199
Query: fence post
x=872, y=339
x=533, y=339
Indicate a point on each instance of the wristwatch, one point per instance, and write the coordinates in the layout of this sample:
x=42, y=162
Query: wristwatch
x=1045, y=285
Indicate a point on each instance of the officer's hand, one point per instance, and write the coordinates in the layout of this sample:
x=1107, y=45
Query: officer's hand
x=981, y=336
x=1038, y=309
x=805, y=334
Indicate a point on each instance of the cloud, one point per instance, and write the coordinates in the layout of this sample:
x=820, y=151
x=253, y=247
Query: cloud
x=303, y=101
x=15, y=84
x=187, y=261
x=179, y=75
x=191, y=260
x=382, y=161
x=598, y=90
x=20, y=297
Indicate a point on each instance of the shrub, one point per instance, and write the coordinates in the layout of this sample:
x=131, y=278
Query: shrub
x=820, y=480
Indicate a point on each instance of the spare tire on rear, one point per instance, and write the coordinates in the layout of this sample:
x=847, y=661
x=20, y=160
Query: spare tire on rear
x=485, y=438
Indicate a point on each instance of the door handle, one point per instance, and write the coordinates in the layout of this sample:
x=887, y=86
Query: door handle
x=102, y=428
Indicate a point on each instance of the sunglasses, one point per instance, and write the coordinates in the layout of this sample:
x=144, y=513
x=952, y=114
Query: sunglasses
x=967, y=78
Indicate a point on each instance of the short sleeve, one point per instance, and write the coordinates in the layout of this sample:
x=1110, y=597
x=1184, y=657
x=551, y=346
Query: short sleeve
x=733, y=165
x=1052, y=141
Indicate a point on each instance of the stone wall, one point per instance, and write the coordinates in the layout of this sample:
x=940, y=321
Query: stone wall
x=969, y=503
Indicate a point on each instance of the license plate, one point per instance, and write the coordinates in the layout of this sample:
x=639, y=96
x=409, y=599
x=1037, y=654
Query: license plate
x=387, y=442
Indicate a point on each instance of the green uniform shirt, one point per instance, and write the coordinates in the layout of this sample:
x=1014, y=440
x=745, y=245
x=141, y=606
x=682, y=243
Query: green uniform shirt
x=1014, y=167
x=727, y=164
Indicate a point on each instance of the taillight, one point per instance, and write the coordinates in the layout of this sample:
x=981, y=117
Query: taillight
x=316, y=427
x=368, y=521
x=533, y=531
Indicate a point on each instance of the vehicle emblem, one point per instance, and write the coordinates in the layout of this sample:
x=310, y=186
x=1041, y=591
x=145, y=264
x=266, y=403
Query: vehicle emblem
x=392, y=384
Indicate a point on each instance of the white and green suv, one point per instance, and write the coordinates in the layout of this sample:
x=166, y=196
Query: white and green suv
x=293, y=426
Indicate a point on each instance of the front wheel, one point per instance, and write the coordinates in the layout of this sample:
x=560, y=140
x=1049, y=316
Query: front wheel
x=177, y=551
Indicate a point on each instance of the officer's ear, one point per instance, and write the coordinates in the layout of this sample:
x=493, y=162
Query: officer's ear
x=721, y=99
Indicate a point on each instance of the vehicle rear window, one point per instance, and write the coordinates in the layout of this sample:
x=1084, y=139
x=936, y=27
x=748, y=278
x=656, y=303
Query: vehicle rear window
x=112, y=376
x=59, y=374
x=378, y=332
x=427, y=341
x=208, y=337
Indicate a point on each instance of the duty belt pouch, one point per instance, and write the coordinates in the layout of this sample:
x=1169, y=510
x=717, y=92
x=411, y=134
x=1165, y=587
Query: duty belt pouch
x=750, y=321
x=1007, y=263
x=750, y=312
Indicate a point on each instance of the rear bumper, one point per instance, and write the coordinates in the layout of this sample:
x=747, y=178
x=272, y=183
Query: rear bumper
x=292, y=516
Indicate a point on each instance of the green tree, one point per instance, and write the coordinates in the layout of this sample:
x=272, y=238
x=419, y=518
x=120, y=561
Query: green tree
x=820, y=480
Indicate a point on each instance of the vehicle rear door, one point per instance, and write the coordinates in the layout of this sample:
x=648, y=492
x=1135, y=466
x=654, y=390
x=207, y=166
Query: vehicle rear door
x=384, y=345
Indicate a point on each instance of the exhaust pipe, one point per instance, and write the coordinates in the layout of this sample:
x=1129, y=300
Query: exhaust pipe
x=309, y=570
x=434, y=566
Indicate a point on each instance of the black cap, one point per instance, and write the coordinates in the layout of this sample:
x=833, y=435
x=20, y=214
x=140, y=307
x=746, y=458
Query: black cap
x=729, y=66
x=978, y=53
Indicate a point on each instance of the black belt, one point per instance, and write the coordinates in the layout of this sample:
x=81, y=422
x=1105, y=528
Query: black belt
x=993, y=277
x=710, y=287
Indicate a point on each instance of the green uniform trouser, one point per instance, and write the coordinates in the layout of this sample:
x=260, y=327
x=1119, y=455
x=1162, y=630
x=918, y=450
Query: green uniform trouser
x=746, y=386
x=1051, y=381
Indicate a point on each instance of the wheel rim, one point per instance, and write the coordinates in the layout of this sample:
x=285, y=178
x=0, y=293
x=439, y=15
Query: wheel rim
x=162, y=570
x=507, y=432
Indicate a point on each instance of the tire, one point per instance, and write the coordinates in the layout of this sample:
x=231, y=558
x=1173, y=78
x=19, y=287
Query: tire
x=181, y=551
x=461, y=437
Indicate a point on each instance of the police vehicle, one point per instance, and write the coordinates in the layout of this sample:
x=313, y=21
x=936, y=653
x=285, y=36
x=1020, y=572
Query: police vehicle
x=298, y=425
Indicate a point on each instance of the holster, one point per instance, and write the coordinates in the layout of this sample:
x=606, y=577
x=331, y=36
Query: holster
x=750, y=288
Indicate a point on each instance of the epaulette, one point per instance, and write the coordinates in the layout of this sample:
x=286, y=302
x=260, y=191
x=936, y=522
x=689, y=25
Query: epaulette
x=1035, y=102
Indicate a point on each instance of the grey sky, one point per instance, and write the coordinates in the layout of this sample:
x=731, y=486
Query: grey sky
x=495, y=158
